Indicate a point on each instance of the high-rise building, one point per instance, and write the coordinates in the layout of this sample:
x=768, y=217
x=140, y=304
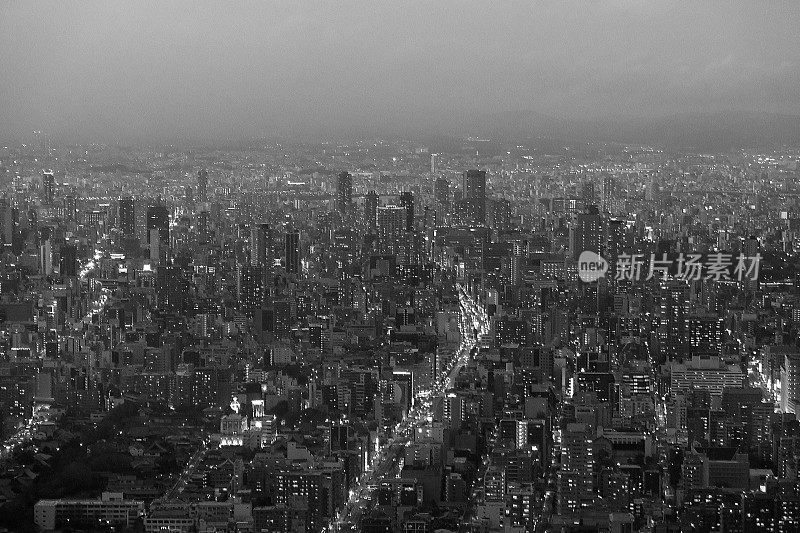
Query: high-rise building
x=475, y=197
x=442, y=193
x=340, y=436
x=202, y=186
x=127, y=217
x=70, y=207
x=6, y=222
x=587, y=192
x=575, y=476
x=499, y=214
x=705, y=372
x=155, y=246
x=407, y=202
x=45, y=257
x=250, y=286
x=292, y=252
x=371, y=209
x=158, y=218
x=587, y=232
x=203, y=226
x=790, y=383
x=261, y=245
x=750, y=248
x=703, y=332
x=391, y=227
x=48, y=187
x=652, y=189
x=615, y=244
x=69, y=261
x=609, y=193
x=172, y=289
x=673, y=308
x=344, y=192
x=188, y=196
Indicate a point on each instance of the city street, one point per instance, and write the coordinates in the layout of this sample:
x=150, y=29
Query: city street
x=472, y=319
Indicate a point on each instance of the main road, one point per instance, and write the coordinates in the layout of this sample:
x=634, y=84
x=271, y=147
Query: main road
x=41, y=414
x=473, y=323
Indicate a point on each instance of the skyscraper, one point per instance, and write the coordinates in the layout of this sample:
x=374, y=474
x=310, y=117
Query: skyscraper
x=575, y=476
x=407, y=202
x=673, y=308
x=202, y=186
x=587, y=232
x=703, y=333
x=750, y=248
x=609, y=192
x=69, y=261
x=203, y=226
x=475, y=197
x=172, y=289
x=6, y=222
x=127, y=217
x=261, y=245
x=391, y=227
x=587, y=192
x=615, y=244
x=292, y=251
x=45, y=257
x=371, y=209
x=158, y=218
x=155, y=246
x=48, y=187
x=250, y=286
x=344, y=192
x=442, y=193
x=70, y=207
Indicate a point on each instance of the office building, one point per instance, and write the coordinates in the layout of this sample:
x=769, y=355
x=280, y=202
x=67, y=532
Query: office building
x=250, y=287
x=172, y=289
x=587, y=233
x=48, y=187
x=371, y=209
x=261, y=245
x=69, y=261
x=158, y=218
x=609, y=193
x=407, y=202
x=127, y=217
x=474, y=197
x=292, y=253
x=111, y=510
x=202, y=186
x=442, y=193
x=344, y=192
x=392, y=222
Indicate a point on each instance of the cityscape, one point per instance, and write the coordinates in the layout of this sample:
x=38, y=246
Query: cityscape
x=502, y=329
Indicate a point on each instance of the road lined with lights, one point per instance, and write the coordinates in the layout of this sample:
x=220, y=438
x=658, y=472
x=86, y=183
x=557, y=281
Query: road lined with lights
x=42, y=414
x=472, y=320
x=187, y=473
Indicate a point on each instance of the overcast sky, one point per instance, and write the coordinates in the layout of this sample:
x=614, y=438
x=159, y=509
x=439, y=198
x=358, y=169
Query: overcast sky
x=203, y=69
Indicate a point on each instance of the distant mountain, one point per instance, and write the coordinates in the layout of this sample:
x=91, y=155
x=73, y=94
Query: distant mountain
x=704, y=132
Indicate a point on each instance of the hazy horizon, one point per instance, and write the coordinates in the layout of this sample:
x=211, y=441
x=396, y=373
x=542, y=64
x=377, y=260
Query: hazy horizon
x=116, y=71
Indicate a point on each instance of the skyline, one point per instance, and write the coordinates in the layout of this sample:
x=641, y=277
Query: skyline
x=392, y=337
x=200, y=71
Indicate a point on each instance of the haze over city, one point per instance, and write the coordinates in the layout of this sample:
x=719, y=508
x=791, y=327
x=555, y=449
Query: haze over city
x=213, y=71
